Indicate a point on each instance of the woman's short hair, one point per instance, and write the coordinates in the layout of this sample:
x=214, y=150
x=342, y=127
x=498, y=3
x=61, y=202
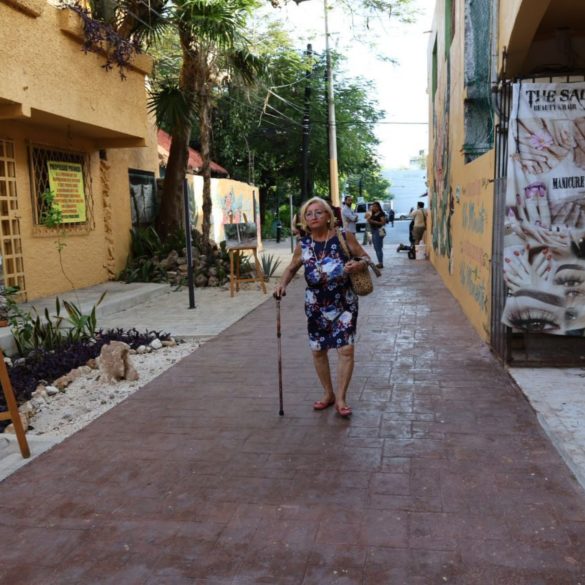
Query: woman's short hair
x=306, y=205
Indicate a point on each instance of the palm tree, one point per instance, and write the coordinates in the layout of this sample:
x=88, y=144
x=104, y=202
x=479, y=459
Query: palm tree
x=213, y=48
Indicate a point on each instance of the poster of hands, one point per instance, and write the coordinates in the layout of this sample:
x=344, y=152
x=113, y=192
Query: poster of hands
x=544, y=237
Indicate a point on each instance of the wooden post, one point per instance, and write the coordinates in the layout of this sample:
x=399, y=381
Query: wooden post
x=12, y=414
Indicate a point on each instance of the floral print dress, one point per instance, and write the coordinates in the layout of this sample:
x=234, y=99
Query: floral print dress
x=331, y=305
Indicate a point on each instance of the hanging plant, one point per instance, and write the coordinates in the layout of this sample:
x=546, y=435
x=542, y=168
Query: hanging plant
x=102, y=37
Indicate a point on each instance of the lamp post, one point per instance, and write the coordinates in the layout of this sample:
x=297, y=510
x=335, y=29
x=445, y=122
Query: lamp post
x=332, y=128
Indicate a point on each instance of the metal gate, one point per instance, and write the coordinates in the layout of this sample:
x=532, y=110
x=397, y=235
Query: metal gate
x=520, y=348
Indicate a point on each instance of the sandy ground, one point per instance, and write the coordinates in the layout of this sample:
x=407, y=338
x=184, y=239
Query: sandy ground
x=88, y=397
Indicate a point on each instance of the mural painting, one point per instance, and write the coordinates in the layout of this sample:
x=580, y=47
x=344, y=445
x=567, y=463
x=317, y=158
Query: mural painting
x=233, y=203
x=441, y=200
x=544, y=239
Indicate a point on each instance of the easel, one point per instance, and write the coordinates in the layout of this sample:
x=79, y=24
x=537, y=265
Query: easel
x=12, y=413
x=235, y=279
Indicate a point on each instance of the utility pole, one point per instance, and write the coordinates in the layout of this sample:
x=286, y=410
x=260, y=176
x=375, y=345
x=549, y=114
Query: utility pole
x=305, y=187
x=332, y=134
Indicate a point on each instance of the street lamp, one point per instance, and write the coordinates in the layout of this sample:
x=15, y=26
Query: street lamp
x=332, y=129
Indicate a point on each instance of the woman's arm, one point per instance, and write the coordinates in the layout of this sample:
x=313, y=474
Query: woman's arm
x=290, y=271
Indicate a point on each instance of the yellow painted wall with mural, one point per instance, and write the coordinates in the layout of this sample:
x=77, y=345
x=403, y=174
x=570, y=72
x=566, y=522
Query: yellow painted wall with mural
x=459, y=237
x=56, y=103
x=233, y=202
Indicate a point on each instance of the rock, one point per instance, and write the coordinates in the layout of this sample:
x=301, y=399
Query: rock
x=169, y=343
x=172, y=258
x=141, y=349
x=23, y=419
x=213, y=281
x=156, y=344
x=52, y=390
x=115, y=363
x=26, y=408
x=19, y=362
x=84, y=370
x=67, y=416
x=92, y=363
x=200, y=280
x=40, y=394
x=213, y=271
x=65, y=380
x=8, y=361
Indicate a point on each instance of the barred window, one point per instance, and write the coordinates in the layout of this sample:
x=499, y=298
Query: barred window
x=65, y=176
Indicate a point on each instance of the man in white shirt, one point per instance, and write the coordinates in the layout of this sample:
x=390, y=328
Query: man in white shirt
x=349, y=217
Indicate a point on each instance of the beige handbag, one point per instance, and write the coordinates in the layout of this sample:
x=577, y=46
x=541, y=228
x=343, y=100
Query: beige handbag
x=361, y=282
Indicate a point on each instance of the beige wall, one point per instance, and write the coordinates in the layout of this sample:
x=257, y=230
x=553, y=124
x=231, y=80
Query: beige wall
x=53, y=95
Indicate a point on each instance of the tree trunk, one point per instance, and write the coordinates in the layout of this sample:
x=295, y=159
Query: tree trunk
x=205, y=136
x=170, y=216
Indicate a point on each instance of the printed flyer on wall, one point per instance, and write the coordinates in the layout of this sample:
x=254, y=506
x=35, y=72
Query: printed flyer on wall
x=544, y=238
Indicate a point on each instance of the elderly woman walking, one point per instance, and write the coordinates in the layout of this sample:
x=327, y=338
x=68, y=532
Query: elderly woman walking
x=331, y=305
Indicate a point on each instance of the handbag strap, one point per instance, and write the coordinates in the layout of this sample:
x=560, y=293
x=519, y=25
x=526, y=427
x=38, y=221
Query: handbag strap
x=343, y=241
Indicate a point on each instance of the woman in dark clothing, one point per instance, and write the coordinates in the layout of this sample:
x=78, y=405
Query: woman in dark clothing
x=377, y=221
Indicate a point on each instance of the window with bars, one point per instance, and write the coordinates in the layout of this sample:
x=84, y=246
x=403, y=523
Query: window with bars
x=65, y=175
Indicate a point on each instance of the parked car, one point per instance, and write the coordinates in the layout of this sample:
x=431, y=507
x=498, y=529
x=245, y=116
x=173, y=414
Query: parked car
x=361, y=209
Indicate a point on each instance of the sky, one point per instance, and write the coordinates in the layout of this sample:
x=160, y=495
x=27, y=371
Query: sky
x=402, y=87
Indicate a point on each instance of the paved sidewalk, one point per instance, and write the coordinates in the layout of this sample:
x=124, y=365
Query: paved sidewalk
x=443, y=474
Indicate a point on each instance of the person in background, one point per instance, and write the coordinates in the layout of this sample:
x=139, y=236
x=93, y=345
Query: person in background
x=391, y=216
x=336, y=212
x=419, y=218
x=376, y=221
x=350, y=217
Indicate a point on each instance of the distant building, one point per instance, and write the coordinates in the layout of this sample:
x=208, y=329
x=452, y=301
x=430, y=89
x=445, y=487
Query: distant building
x=407, y=185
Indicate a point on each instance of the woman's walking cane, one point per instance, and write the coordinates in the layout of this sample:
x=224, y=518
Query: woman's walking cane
x=278, y=336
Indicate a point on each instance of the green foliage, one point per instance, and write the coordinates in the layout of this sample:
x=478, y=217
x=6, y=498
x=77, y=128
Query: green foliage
x=50, y=214
x=33, y=331
x=146, y=249
x=269, y=265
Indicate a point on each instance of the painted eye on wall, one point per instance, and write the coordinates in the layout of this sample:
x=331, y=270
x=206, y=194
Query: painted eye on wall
x=534, y=320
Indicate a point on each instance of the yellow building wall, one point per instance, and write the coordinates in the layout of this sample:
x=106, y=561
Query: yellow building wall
x=55, y=96
x=44, y=70
x=91, y=254
x=459, y=234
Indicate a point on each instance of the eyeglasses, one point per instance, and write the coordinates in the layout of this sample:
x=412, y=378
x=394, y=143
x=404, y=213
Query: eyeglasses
x=317, y=213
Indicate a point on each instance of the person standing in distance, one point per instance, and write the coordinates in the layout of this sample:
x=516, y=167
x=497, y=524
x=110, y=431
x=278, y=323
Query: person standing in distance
x=350, y=217
x=419, y=218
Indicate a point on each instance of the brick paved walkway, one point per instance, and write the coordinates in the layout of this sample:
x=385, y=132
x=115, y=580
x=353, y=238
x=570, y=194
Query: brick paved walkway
x=442, y=475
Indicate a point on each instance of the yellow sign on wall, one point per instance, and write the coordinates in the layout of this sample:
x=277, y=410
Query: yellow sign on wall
x=66, y=182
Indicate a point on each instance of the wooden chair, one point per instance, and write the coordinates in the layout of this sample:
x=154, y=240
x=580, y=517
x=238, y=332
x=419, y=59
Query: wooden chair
x=12, y=414
x=235, y=279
